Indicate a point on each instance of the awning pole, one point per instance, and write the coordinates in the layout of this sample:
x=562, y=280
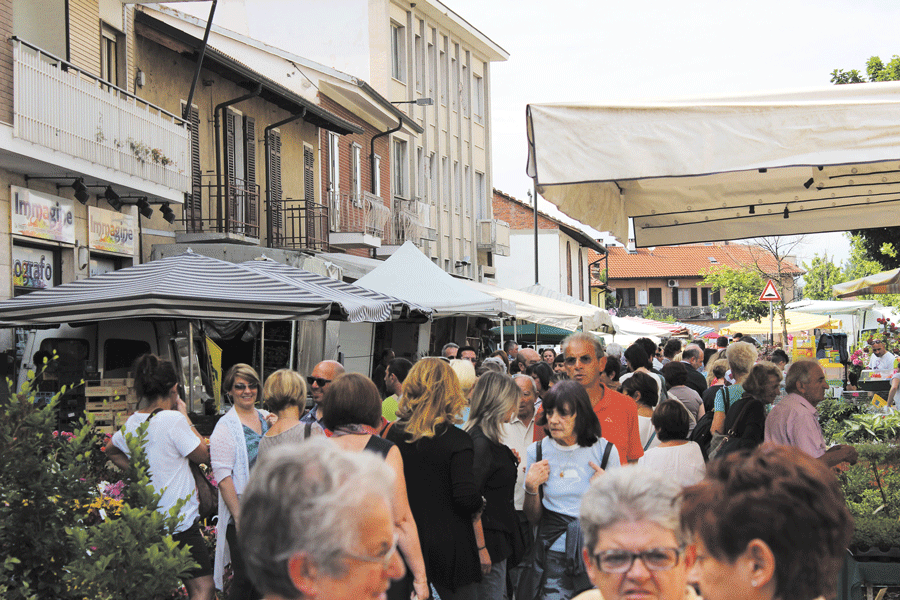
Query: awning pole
x=191, y=368
x=501, y=333
x=515, y=330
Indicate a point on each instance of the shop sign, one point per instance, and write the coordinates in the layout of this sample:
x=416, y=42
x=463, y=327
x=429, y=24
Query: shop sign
x=32, y=268
x=111, y=231
x=42, y=216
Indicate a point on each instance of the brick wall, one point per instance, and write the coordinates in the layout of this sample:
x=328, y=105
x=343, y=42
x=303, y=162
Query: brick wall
x=519, y=215
x=6, y=62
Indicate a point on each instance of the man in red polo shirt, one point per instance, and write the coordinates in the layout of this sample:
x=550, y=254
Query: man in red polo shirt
x=585, y=361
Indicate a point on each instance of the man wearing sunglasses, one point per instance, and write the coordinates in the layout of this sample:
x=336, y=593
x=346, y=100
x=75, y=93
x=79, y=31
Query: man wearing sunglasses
x=633, y=544
x=324, y=373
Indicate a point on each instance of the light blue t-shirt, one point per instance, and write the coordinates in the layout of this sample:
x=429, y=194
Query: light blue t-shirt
x=570, y=475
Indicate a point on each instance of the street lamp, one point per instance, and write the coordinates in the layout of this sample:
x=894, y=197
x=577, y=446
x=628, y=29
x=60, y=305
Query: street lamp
x=417, y=101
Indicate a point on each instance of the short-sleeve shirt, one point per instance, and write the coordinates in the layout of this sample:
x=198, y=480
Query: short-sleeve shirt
x=734, y=391
x=795, y=422
x=169, y=441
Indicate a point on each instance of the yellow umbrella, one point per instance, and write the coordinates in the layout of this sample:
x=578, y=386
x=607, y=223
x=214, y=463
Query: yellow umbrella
x=887, y=282
x=796, y=321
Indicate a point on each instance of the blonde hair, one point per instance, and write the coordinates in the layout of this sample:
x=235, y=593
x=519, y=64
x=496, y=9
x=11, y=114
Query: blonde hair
x=431, y=397
x=494, y=397
x=741, y=356
x=242, y=370
x=465, y=371
x=284, y=388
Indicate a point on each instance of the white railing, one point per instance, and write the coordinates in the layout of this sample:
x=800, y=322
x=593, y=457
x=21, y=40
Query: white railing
x=61, y=107
x=364, y=213
x=410, y=221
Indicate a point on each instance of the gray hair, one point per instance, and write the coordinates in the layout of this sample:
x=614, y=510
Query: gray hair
x=615, y=350
x=307, y=499
x=448, y=345
x=741, y=356
x=494, y=396
x=580, y=336
x=630, y=494
x=799, y=372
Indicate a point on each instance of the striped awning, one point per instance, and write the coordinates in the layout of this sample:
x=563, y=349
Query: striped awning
x=357, y=304
x=187, y=286
x=696, y=330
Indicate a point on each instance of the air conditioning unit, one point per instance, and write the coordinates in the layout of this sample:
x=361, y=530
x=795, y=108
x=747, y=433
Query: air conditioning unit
x=672, y=283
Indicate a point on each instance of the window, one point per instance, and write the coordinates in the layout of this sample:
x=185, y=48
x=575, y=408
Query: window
x=309, y=173
x=112, y=57
x=684, y=296
x=398, y=62
x=483, y=211
x=445, y=177
x=704, y=296
x=242, y=191
x=465, y=87
x=433, y=175
x=457, y=187
x=693, y=296
x=399, y=168
x=420, y=63
x=376, y=176
x=715, y=297
x=432, y=68
x=580, y=274
x=478, y=100
x=421, y=189
x=445, y=73
x=624, y=297
x=273, y=185
x=355, y=171
x=656, y=296
x=334, y=165
x=193, y=202
x=121, y=354
x=468, y=199
x=454, y=73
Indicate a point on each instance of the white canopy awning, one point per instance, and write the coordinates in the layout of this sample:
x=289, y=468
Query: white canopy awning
x=410, y=275
x=542, y=310
x=692, y=171
x=606, y=323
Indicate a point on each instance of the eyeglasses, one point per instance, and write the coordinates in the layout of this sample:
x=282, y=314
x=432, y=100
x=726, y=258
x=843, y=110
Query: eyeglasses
x=243, y=386
x=470, y=358
x=319, y=381
x=384, y=560
x=621, y=561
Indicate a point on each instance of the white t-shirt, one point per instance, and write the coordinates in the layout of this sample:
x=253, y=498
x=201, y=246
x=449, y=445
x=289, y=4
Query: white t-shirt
x=883, y=363
x=169, y=441
x=682, y=463
x=518, y=437
x=646, y=429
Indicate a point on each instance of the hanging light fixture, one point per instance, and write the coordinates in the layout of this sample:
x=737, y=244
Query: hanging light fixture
x=81, y=193
x=786, y=212
x=144, y=207
x=167, y=212
x=113, y=198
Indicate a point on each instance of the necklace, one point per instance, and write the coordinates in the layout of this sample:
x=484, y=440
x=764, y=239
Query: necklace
x=567, y=466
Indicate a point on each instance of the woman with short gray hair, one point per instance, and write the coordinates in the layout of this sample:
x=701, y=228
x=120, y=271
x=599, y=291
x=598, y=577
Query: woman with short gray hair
x=316, y=522
x=633, y=542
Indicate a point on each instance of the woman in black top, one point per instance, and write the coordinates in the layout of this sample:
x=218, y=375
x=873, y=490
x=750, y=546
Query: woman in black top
x=761, y=387
x=495, y=399
x=352, y=410
x=437, y=463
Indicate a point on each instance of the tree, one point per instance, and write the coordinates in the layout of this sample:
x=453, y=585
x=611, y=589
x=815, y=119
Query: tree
x=821, y=274
x=740, y=289
x=878, y=243
x=860, y=265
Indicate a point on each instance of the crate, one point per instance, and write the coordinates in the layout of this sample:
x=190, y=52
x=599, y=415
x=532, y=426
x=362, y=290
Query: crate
x=120, y=382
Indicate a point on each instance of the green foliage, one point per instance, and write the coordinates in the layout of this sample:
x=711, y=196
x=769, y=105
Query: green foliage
x=650, y=313
x=832, y=415
x=872, y=490
x=59, y=538
x=821, y=274
x=740, y=291
x=871, y=427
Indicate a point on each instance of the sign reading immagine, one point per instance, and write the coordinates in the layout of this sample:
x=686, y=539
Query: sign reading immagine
x=111, y=231
x=42, y=216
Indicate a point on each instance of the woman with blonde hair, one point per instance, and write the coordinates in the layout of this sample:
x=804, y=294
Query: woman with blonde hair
x=437, y=466
x=285, y=395
x=353, y=412
x=495, y=399
x=741, y=357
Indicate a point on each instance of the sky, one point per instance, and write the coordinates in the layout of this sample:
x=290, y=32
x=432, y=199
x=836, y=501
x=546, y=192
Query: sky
x=602, y=52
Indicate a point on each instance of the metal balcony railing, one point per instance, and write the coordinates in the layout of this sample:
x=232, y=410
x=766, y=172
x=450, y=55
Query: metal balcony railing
x=61, y=107
x=241, y=217
x=365, y=213
x=298, y=225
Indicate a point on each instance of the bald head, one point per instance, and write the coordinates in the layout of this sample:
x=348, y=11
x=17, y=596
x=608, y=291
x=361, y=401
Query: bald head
x=527, y=397
x=324, y=373
x=527, y=357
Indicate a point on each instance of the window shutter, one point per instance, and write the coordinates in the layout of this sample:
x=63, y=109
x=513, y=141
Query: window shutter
x=274, y=183
x=230, y=195
x=308, y=175
x=693, y=296
x=674, y=296
x=193, y=206
x=251, y=195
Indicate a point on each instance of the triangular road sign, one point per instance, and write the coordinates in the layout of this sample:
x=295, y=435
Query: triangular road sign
x=770, y=294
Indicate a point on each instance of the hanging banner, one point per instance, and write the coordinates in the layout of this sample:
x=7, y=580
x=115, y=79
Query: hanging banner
x=215, y=370
x=111, y=231
x=42, y=216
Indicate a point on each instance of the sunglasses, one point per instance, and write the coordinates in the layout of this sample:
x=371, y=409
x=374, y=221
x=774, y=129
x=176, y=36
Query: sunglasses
x=318, y=381
x=243, y=386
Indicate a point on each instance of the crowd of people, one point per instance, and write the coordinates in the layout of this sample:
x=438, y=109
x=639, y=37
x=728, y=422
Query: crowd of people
x=529, y=474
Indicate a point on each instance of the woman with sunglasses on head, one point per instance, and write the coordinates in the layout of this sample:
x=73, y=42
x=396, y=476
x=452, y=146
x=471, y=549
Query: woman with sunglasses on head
x=234, y=445
x=560, y=470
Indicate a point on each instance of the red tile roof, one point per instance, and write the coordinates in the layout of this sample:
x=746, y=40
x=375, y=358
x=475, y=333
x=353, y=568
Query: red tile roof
x=687, y=260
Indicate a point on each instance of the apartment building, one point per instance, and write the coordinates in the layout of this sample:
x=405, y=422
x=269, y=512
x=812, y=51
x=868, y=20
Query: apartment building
x=435, y=66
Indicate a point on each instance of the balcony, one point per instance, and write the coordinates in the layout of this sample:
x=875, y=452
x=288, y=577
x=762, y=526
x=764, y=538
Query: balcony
x=493, y=236
x=111, y=133
x=357, y=221
x=298, y=225
x=239, y=218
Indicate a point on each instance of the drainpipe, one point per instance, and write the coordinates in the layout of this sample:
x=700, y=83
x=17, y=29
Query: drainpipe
x=222, y=107
x=187, y=107
x=299, y=115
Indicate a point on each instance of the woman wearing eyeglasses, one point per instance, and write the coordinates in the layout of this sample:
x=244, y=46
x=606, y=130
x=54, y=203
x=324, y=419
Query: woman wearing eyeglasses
x=234, y=445
x=771, y=524
x=633, y=544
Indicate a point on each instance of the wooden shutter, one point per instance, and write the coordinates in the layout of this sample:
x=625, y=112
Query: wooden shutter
x=251, y=196
x=230, y=195
x=309, y=189
x=674, y=296
x=693, y=296
x=194, y=202
x=274, y=183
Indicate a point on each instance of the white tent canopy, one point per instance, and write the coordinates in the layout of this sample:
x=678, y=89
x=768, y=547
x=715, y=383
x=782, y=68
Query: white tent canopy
x=410, y=275
x=690, y=170
x=542, y=310
x=606, y=322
